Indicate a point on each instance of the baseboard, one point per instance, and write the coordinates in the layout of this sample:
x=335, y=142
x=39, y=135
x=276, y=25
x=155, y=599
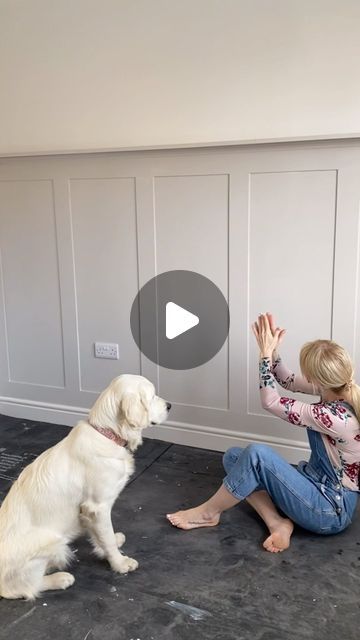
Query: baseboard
x=176, y=432
x=220, y=440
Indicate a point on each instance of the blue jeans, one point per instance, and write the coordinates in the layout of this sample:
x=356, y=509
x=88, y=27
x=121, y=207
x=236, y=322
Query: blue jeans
x=310, y=495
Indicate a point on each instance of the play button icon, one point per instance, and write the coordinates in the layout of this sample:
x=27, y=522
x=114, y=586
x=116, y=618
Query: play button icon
x=179, y=319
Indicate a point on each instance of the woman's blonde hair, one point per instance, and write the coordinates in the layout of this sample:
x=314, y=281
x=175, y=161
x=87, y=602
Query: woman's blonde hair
x=329, y=366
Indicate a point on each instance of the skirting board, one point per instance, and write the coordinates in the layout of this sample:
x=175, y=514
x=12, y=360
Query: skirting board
x=175, y=432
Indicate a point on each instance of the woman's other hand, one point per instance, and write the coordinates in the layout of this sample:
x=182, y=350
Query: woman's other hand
x=267, y=336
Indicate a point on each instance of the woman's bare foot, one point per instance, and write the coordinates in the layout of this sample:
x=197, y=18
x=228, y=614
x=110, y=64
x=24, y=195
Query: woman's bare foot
x=279, y=538
x=194, y=518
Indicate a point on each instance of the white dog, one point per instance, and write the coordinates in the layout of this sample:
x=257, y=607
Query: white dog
x=70, y=490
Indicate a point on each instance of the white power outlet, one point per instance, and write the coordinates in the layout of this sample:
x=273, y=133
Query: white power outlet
x=108, y=350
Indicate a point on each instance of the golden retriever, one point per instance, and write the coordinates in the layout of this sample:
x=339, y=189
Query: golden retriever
x=70, y=489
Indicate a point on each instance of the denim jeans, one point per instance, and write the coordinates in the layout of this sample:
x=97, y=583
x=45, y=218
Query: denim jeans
x=311, y=494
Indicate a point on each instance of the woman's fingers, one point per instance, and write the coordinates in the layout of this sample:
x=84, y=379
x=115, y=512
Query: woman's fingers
x=255, y=332
x=265, y=331
x=266, y=323
x=273, y=328
x=255, y=329
x=261, y=323
x=271, y=320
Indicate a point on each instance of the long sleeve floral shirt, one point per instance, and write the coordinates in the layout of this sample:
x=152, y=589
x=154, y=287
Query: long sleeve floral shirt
x=339, y=427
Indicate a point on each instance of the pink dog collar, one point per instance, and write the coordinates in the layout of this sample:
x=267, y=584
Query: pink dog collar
x=110, y=434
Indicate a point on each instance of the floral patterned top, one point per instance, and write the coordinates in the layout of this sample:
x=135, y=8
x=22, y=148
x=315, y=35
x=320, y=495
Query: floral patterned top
x=335, y=421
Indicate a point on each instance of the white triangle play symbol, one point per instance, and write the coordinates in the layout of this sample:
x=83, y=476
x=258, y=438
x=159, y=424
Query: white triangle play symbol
x=178, y=320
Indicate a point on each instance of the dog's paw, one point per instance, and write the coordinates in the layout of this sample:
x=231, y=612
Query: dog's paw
x=62, y=580
x=120, y=539
x=125, y=565
x=131, y=563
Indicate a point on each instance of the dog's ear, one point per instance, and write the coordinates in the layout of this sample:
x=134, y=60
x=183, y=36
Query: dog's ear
x=134, y=410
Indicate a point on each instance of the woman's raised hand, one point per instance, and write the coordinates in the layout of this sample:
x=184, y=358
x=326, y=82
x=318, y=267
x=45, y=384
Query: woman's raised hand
x=267, y=336
x=273, y=328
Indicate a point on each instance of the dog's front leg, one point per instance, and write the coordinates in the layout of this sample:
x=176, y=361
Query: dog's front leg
x=97, y=519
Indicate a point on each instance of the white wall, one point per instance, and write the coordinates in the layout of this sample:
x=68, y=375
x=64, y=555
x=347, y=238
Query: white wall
x=106, y=74
x=273, y=226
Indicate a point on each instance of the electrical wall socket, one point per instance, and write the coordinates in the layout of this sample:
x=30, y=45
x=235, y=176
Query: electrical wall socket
x=108, y=350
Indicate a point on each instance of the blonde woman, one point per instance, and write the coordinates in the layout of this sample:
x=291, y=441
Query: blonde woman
x=320, y=495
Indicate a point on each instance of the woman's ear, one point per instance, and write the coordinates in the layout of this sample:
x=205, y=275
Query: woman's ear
x=134, y=411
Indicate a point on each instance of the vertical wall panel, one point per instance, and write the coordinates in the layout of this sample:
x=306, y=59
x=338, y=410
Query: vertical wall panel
x=191, y=222
x=106, y=275
x=30, y=281
x=291, y=253
x=346, y=316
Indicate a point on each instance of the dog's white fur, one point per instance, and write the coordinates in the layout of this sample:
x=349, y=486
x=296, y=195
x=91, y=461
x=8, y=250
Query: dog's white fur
x=70, y=490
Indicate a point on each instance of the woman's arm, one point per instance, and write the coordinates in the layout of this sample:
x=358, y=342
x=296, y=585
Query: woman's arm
x=289, y=380
x=322, y=417
x=269, y=337
x=315, y=416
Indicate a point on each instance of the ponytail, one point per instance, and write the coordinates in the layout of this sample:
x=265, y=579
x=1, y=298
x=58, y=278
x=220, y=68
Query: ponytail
x=354, y=393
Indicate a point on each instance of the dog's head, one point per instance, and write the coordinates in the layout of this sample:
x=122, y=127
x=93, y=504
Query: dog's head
x=128, y=405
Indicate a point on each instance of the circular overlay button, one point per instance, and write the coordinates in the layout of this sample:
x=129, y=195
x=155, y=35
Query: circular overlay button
x=179, y=319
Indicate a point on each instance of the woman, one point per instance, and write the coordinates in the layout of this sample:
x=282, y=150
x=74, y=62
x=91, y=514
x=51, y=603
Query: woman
x=320, y=495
